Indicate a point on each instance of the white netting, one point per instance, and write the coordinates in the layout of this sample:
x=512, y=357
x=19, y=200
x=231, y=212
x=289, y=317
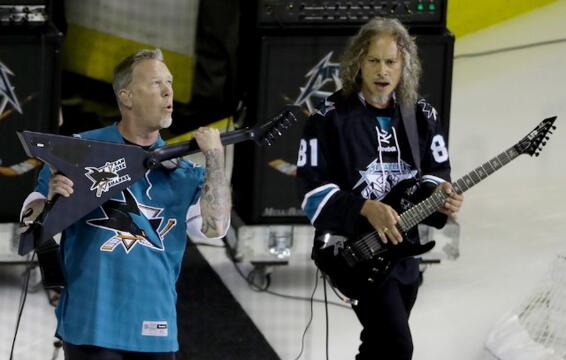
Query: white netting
x=537, y=329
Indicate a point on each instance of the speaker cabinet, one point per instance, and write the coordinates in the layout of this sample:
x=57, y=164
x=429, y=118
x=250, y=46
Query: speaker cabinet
x=29, y=100
x=304, y=70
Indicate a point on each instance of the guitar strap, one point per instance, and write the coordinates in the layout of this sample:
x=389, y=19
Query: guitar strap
x=410, y=122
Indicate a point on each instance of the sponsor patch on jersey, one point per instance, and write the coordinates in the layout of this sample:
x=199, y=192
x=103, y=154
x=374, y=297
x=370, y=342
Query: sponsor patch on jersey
x=155, y=328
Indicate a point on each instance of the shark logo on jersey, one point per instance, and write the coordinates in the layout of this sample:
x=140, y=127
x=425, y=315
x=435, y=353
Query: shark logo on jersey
x=379, y=179
x=7, y=90
x=428, y=109
x=106, y=176
x=132, y=223
x=321, y=74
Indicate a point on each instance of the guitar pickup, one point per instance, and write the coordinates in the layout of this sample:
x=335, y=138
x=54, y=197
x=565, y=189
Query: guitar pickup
x=350, y=256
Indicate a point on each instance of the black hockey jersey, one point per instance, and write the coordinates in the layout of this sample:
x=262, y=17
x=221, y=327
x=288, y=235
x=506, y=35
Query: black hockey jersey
x=351, y=151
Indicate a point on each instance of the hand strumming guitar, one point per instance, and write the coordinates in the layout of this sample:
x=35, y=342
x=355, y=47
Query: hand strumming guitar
x=383, y=218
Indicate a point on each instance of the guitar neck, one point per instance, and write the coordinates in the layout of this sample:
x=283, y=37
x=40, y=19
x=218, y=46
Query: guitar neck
x=190, y=147
x=425, y=208
x=264, y=134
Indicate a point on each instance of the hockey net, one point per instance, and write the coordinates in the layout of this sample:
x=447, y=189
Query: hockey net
x=536, y=330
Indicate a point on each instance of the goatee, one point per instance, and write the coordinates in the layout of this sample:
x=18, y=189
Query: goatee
x=166, y=122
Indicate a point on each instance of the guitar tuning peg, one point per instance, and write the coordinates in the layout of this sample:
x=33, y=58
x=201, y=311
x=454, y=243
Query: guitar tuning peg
x=537, y=154
x=553, y=127
x=544, y=142
x=266, y=142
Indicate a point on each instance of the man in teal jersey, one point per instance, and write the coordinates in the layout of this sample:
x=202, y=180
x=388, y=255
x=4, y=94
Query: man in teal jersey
x=121, y=261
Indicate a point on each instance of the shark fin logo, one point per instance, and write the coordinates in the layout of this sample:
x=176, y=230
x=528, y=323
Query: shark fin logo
x=7, y=90
x=321, y=74
x=428, y=109
x=106, y=176
x=133, y=224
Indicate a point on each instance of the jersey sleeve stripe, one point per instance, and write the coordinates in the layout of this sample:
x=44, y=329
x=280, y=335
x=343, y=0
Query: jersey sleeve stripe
x=315, y=200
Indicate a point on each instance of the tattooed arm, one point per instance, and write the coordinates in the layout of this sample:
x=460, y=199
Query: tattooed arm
x=215, y=201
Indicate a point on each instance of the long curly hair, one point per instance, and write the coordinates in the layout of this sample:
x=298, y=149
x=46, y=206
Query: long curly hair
x=357, y=48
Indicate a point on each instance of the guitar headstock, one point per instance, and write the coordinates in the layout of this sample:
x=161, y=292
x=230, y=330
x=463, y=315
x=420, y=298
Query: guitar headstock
x=269, y=132
x=533, y=143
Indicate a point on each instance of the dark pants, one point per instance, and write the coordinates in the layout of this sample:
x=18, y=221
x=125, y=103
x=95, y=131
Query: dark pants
x=88, y=352
x=384, y=315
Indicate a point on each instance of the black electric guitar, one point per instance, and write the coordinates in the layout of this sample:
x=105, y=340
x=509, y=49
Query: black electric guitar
x=100, y=169
x=352, y=263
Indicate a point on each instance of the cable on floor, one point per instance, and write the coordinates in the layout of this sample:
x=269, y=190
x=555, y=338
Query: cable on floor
x=257, y=288
x=310, y=316
x=23, y=297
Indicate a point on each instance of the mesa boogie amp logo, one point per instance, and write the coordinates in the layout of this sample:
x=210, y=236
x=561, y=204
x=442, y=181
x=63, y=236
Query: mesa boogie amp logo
x=320, y=75
x=105, y=177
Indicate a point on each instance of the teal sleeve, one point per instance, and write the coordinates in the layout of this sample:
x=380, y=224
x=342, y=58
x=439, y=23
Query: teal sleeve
x=42, y=185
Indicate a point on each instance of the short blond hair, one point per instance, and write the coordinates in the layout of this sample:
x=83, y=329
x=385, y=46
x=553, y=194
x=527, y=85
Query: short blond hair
x=125, y=68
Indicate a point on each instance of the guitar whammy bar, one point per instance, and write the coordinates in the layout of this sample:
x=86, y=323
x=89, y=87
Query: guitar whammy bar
x=353, y=263
x=100, y=169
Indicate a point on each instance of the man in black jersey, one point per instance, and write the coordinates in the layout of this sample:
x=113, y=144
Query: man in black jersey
x=354, y=150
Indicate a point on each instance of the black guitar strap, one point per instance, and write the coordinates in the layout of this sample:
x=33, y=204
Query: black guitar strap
x=410, y=122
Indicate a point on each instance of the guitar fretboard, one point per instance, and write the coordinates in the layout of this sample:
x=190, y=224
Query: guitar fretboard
x=425, y=208
x=370, y=244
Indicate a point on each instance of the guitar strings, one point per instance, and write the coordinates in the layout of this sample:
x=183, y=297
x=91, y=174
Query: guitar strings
x=367, y=245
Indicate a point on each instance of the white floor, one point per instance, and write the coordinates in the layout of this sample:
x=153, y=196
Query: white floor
x=512, y=224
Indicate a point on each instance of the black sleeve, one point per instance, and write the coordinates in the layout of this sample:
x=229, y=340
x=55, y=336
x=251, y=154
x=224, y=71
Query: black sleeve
x=435, y=160
x=325, y=203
